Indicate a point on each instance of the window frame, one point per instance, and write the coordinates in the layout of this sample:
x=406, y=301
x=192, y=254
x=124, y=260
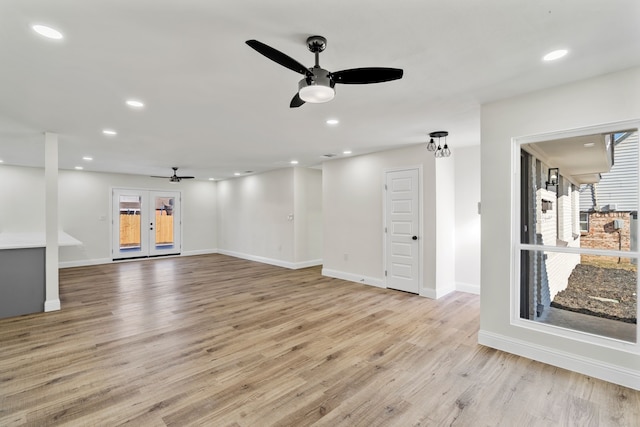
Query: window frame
x=518, y=246
x=587, y=222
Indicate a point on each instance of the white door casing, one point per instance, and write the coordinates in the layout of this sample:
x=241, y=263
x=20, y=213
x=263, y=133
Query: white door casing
x=402, y=230
x=146, y=213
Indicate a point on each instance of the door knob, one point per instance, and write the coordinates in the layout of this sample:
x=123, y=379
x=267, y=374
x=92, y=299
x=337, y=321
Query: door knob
x=414, y=238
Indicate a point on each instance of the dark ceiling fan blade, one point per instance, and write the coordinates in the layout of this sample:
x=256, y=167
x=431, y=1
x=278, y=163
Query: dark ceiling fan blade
x=360, y=76
x=296, y=101
x=156, y=176
x=279, y=57
x=185, y=177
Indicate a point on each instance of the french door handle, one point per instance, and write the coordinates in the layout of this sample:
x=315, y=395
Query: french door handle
x=414, y=238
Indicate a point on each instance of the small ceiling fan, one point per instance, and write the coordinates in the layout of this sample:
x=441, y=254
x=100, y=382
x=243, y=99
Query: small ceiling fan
x=174, y=177
x=317, y=86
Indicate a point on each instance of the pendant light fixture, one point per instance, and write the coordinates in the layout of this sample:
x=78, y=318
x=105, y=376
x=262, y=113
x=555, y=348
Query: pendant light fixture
x=439, y=150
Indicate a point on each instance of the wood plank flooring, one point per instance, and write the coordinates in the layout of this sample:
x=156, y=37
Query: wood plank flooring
x=218, y=341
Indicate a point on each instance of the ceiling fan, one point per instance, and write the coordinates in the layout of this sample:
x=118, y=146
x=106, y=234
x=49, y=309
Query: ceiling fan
x=317, y=86
x=174, y=177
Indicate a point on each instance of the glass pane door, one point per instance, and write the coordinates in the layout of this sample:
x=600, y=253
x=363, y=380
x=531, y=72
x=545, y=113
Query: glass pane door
x=130, y=224
x=165, y=226
x=145, y=223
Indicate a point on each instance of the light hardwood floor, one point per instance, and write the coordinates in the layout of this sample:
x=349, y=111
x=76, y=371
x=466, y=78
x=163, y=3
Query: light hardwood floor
x=218, y=341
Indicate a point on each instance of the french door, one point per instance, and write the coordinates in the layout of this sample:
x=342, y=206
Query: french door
x=145, y=223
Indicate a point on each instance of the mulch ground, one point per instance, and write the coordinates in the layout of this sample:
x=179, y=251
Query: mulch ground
x=602, y=292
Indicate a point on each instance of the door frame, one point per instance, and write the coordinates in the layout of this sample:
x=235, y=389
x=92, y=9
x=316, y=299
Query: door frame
x=111, y=230
x=421, y=227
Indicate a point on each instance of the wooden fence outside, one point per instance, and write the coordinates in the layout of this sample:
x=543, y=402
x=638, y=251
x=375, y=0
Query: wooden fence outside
x=130, y=229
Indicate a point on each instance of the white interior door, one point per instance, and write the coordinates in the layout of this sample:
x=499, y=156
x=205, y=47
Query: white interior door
x=402, y=230
x=145, y=223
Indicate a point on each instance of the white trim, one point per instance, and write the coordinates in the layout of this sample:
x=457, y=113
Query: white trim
x=577, y=250
x=560, y=332
x=99, y=261
x=271, y=261
x=580, y=336
x=468, y=287
x=199, y=252
x=310, y=263
x=52, y=305
x=594, y=368
x=587, y=130
x=371, y=281
x=436, y=293
x=84, y=262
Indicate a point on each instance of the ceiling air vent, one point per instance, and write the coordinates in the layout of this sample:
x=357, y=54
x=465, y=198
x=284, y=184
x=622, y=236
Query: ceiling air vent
x=328, y=156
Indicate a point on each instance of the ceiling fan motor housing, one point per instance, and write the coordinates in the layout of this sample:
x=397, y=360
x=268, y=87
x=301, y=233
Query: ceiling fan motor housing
x=317, y=89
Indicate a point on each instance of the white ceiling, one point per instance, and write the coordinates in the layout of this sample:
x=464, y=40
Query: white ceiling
x=215, y=106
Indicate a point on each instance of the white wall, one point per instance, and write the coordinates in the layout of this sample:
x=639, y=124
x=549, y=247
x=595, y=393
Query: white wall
x=605, y=99
x=467, y=218
x=85, y=200
x=307, y=185
x=253, y=217
x=22, y=201
x=353, y=217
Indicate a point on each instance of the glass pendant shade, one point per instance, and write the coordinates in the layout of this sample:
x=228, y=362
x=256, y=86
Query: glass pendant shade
x=431, y=146
x=316, y=94
x=445, y=151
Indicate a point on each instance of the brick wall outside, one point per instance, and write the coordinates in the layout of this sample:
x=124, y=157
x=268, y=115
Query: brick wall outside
x=602, y=235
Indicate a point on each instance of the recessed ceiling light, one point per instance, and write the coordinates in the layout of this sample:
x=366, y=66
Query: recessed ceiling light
x=79, y=168
x=212, y=179
x=1, y=161
x=333, y=121
x=237, y=173
x=556, y=54
x=294, y=162
x=346, y=152
x=87, y=158
x=135, y=103
x=589, y=144
x=47, y=32
x=109, y=132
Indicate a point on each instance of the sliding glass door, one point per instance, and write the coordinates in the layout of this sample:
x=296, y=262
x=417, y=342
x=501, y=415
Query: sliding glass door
x=145, y=223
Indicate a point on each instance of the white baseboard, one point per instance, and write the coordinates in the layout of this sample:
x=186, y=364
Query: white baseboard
x=52, y=305
x=83, y=262
x=199, y=252
x=306, y=264
x=271, y=261
x=436, y=293
x=98, y=261
x=594, y=368
x=468, y=288
x=378, y=283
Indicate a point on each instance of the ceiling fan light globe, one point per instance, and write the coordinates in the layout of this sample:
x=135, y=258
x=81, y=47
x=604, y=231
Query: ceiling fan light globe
x=316, y=94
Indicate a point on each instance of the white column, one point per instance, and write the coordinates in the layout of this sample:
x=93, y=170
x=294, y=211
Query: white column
x=52, y=296
x=445, y=226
